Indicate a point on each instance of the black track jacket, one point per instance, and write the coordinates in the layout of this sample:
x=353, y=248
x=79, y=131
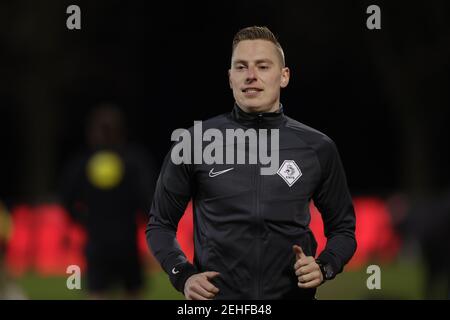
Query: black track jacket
x=245, y=223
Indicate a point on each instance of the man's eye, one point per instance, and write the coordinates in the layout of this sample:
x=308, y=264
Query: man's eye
x=240, y=67
x=264, y=67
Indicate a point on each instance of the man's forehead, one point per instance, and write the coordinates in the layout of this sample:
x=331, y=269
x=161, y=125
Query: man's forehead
x=255, y=50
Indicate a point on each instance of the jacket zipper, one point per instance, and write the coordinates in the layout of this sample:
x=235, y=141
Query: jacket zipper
x=258, y=220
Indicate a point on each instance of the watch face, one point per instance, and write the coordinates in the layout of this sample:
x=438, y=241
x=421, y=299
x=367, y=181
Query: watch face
x=328, y=271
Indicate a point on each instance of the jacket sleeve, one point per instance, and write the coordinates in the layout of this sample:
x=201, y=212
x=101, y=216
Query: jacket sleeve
x=172, y=194
x=334, y=202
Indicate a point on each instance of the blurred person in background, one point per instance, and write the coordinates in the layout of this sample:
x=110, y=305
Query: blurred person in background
x=105, y=188
x=427, y=222
x=8, y=288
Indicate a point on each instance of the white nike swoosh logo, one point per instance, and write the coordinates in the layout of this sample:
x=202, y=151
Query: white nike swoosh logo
x=213, y=174
x=175, y=272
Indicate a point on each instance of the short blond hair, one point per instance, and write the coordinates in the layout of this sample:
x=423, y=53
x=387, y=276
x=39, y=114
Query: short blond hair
x=258, y=33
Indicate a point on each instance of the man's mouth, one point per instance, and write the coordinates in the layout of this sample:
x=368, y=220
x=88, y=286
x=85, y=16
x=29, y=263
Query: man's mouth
x=251, y=90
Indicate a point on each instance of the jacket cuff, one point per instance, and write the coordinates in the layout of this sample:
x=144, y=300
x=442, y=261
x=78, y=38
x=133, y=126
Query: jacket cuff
x=327, y=257
x=180, y=273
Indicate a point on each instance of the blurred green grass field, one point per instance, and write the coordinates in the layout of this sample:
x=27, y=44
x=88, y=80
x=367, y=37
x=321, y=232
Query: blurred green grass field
x=400, y=280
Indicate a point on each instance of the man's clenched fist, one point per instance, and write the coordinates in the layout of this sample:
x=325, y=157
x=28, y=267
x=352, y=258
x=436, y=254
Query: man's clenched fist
x=306, y=269
x=199, y=287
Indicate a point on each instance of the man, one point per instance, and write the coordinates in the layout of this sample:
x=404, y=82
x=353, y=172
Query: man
x=251, y=234
x=105, y=188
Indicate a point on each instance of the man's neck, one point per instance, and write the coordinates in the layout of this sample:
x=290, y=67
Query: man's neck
x=274, y=108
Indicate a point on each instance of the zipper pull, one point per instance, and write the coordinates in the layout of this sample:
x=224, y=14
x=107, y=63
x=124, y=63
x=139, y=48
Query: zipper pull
x=260, y=117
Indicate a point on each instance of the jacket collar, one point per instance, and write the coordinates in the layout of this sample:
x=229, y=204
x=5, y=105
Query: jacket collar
x=258, y=119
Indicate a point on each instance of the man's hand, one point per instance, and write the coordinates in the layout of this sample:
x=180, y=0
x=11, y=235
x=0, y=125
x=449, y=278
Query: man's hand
x=198, y=286
x=306, y=269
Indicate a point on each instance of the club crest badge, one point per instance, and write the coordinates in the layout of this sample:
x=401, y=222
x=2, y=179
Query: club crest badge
x=290, y=172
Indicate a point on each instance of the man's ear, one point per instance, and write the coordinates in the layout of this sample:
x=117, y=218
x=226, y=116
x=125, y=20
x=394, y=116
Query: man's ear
x=285, y=76
x=229, y=78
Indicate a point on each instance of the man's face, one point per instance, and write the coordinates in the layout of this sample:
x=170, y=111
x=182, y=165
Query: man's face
x=256, y=76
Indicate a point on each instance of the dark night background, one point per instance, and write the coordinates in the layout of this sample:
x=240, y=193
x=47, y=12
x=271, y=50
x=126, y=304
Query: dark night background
x=381, y=95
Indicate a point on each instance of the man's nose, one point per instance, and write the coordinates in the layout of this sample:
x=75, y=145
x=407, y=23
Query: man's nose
x=251, y=75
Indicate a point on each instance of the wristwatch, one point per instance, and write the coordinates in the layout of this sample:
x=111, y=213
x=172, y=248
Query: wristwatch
x=326, y=269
